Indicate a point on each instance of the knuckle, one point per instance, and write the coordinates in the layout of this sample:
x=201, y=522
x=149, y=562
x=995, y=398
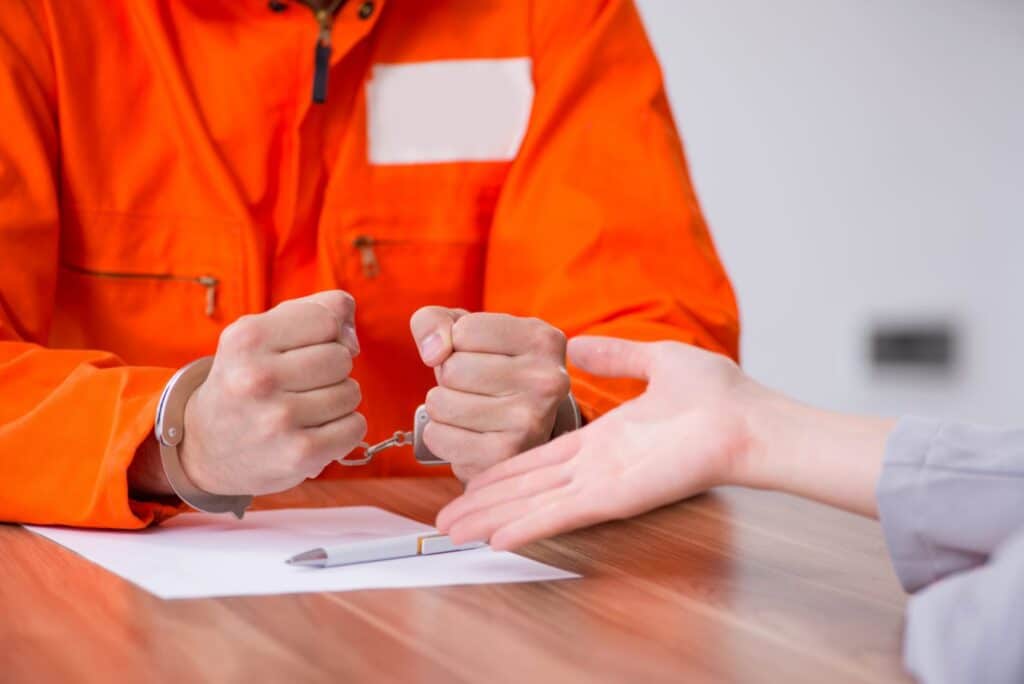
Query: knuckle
x=552, y=382
x=564, y=383
x=435, y=403
x=362, y=427
x=354, y=430
x=425, y=317
x=334, y=304
x=461, y=330
x=343, y=357
x=251, y=381
x=279, y=418
x=324, y=323
x=521, y=417
x=451, y=369
x=350, y=396
x=433, y=437
x=433, y=310
x=302, y=450
x=548, y=338
x=468, y=326
x=339, y=298
x=330, y=329
x=244, y=335
x=354, y=389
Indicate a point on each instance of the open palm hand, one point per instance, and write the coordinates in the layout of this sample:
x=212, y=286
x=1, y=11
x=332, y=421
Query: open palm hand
x=678, y=438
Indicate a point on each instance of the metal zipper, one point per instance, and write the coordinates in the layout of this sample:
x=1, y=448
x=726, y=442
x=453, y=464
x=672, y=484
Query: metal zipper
x=367, y=247
x=322, y=54
x=209, y=282
x=367, y=254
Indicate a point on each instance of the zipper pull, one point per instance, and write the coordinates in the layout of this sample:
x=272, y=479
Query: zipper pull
x=322, y=56
x=365, y=244
x=210, y=283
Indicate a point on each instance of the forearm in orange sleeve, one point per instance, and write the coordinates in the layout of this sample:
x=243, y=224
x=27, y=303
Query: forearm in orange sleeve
x=70, y=420
x=70, y=423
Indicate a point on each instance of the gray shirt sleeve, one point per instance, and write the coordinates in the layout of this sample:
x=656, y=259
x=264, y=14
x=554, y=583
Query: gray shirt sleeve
x=949, y=496
x=970, y=627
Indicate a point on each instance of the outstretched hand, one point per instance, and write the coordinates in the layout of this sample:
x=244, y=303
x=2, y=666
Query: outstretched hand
x=682, y=436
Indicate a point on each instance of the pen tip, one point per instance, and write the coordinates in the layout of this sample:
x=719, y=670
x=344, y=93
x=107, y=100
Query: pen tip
x=312, y=557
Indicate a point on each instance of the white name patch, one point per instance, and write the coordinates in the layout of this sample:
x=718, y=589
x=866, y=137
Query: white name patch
x=448, y=111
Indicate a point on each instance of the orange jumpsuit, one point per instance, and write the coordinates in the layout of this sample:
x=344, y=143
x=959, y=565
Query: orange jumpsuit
x=164, y=170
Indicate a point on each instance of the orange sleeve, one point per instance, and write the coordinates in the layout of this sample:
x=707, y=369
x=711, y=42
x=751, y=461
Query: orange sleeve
x=70, y=420
x=598, y=230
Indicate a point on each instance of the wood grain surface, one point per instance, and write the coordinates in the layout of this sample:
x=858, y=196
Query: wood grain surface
x=733, y=586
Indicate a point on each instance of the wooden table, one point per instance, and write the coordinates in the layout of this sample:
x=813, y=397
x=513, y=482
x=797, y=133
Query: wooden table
x=732, y=586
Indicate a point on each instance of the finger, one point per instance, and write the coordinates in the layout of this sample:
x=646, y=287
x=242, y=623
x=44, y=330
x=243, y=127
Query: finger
x=503, y=334
x=482, y=525
x=321, y=406
x=612, y=357
x=289, y=325
x=343, y=306
x=469, y=452
x=431, y=328
x=476, y=412
x=556, y=516
x=528, y=484
x=308, y=368
x=332, y=441
x=493, y=375
x=554, y=452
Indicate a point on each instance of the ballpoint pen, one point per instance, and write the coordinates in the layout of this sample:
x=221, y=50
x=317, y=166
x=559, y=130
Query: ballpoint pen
x=418, y=544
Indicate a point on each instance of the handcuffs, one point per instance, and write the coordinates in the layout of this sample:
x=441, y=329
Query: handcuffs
x=170, y=431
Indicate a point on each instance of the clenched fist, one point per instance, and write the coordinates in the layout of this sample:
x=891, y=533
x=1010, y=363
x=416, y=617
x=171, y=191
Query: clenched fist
x=500, y=381
x=278, y=404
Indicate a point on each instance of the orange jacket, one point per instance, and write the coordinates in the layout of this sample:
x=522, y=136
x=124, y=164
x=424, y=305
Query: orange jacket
x=163, y=171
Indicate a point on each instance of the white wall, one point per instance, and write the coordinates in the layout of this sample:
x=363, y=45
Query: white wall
x=861, y=160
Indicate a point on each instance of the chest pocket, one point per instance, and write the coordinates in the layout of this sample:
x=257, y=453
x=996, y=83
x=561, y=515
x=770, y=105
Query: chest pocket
x=395, y=264
x=156, y=290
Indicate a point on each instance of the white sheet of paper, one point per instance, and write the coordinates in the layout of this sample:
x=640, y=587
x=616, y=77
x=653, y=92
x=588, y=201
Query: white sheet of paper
x=200, y=555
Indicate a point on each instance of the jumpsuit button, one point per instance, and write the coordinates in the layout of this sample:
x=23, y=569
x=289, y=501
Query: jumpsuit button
x=365, y=10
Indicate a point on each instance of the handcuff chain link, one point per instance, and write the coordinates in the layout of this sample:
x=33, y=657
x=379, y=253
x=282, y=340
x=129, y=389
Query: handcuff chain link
x=399, y=438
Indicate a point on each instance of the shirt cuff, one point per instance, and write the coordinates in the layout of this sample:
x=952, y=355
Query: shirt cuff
x=902, y=495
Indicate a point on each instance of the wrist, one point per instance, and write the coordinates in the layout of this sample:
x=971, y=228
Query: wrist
x=826, y=456
x=771, y=422
x=190, y=452
x=170, y=429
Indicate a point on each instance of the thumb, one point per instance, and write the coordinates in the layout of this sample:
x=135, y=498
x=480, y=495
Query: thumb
x=612, y=357
x=432, y=330
x=343, y=306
